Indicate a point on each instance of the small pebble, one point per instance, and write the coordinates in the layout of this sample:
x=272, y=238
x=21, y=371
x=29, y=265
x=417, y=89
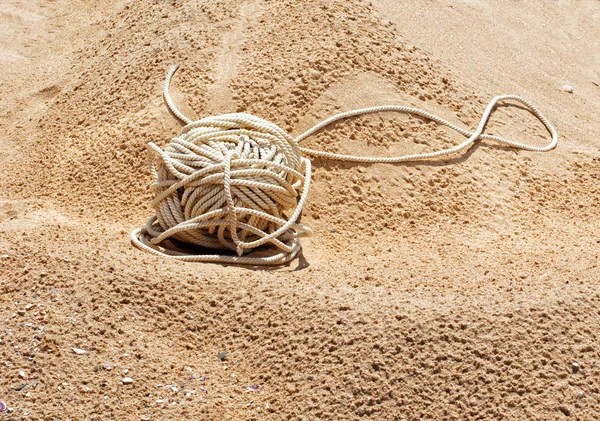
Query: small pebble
x=127, y=380
x=575, y=367
x=79, y=351
x=222, y=355
x=253, y=388
x=568, y=88
x=2, y=406
x=581, y=393
x=22, y=374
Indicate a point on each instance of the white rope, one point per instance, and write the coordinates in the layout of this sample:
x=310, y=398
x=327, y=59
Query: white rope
x=238, y=182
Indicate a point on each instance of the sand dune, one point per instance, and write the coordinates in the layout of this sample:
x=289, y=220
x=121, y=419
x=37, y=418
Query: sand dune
x=461, y=289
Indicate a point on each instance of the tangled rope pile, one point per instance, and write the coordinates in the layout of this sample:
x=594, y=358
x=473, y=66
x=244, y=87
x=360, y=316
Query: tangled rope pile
x=237, y=182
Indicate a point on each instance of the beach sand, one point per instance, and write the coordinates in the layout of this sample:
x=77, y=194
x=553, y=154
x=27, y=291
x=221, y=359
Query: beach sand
x=466, y=288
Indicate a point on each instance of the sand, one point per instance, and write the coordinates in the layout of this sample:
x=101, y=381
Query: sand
x=463, y=289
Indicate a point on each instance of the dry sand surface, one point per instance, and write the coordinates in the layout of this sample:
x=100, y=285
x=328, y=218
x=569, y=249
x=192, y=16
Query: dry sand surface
x=461, y=289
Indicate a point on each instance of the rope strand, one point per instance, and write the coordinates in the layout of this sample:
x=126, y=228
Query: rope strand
x=247, y=172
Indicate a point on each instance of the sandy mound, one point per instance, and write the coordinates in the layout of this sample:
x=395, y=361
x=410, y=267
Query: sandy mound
x=461, y=289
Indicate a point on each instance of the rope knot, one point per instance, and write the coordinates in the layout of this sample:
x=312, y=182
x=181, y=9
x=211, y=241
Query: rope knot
x=233, y=182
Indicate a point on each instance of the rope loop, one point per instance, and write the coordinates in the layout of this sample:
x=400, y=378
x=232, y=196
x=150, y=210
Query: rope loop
x=238, y=182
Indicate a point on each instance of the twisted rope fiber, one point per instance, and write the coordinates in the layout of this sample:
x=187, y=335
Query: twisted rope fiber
x=237, y=181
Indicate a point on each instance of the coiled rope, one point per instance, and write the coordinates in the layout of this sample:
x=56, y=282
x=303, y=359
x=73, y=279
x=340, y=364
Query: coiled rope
x=237, y=182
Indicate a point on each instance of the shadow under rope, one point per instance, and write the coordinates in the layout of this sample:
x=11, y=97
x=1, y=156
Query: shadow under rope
x=296, y=264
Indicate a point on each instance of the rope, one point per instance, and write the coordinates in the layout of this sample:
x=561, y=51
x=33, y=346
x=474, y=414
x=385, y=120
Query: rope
x=237, y=182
